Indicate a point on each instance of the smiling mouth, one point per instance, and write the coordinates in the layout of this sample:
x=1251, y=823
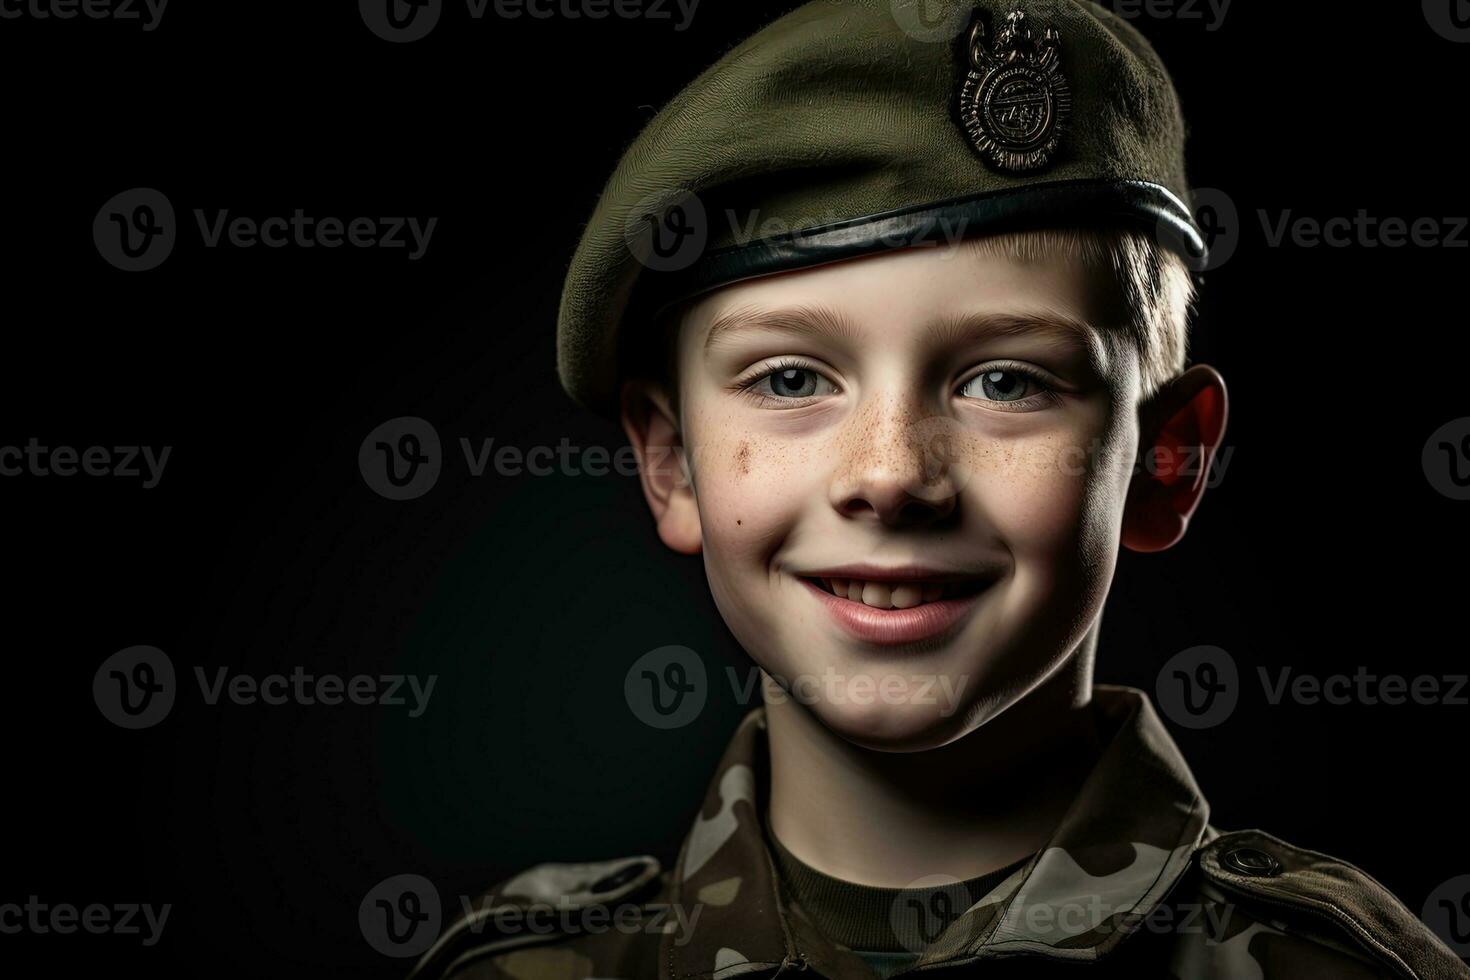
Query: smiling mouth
x=895, y=595
x=906, y=607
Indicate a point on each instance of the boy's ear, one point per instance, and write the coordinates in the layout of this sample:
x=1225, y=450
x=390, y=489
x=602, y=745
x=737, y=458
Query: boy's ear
x=1180, y=429
x=662, y=465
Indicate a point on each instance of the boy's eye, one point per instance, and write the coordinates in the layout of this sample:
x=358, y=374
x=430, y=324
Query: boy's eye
x=792, y=382
x=1002, y=385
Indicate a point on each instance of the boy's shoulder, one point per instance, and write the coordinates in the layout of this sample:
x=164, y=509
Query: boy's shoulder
x=556, y=920
x=1283, y=910
x=1248, y=905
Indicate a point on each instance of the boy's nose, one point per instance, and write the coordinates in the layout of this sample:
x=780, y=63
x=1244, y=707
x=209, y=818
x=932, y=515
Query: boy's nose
x=896, y=467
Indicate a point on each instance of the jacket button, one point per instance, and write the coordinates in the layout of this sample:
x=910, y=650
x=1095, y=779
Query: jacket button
x=1249, y=861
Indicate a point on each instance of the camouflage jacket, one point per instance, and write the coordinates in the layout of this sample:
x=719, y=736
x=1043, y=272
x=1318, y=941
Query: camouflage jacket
x=1135, y=882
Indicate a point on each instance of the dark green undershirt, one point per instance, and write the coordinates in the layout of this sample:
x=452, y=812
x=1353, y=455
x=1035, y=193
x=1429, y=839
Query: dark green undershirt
x=861, y=917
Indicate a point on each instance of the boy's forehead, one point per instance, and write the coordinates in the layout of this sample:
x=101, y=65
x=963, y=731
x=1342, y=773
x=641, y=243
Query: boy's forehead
x=954, y=293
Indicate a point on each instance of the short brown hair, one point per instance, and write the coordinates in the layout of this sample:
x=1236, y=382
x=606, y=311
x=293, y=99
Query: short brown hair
x=1156, y=288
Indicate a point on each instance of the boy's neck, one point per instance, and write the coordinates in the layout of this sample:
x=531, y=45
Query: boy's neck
x=962, y=810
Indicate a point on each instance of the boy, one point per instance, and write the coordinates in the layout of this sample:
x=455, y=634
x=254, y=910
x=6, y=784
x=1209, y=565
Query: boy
x=889, y=319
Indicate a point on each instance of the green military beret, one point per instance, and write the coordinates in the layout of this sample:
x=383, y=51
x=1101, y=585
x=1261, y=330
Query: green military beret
x=849, y=127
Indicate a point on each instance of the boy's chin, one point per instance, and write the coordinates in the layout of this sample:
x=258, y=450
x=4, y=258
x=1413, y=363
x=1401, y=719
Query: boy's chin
x=894, y=727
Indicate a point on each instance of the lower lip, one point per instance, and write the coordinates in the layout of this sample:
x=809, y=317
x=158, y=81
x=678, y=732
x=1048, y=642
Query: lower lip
x=895, y=626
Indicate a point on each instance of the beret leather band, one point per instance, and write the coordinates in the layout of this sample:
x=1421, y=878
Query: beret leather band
x=1150, y=208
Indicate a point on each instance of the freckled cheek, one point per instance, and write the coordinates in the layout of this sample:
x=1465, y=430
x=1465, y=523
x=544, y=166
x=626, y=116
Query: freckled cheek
x=752, y=494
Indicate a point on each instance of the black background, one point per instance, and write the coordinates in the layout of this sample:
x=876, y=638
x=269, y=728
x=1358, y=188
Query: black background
x=262, y=548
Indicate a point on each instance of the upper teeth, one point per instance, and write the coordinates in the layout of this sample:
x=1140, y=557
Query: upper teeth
x=884, y=595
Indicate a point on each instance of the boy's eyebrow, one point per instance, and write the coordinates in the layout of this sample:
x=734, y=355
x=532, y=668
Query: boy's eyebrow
x=1065, y=330
x=1053, y=324
x=819, y=320
x=1060, y=331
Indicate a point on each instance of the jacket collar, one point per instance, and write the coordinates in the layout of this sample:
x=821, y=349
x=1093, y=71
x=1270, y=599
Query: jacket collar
x=1118, y=850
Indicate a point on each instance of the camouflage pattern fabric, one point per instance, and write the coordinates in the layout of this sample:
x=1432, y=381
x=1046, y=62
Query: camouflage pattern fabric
x=1135, y=882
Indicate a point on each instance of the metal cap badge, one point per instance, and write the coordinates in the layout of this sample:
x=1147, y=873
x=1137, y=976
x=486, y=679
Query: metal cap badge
x=1015, y=100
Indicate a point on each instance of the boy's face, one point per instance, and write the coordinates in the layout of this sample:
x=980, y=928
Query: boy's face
x=909, y=474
